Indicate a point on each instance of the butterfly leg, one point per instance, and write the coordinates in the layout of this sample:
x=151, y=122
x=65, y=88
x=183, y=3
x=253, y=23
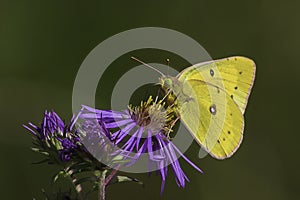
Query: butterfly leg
x=167, y=94
x=170, y=129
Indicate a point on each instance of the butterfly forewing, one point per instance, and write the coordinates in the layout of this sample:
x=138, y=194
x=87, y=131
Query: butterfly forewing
x=235, y=75
x=217, y=94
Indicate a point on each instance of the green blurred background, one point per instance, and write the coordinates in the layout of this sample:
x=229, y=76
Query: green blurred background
x=43, y=43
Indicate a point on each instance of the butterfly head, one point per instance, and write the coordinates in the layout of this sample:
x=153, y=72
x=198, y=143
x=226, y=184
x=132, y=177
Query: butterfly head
x=166, y=82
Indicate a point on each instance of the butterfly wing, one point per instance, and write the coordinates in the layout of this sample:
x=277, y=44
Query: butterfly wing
x=214, y=111
x=235, y=75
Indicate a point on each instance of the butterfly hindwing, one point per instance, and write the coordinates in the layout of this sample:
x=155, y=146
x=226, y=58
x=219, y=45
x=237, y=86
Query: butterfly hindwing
x=214, y=119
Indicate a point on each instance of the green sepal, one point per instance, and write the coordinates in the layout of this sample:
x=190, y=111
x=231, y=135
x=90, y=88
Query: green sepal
x=58, y=175
x=40, y=151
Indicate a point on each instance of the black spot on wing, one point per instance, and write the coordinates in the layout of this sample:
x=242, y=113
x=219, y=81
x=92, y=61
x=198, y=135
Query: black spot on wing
x=213, y=109
x=212, y=73
x=218, y=89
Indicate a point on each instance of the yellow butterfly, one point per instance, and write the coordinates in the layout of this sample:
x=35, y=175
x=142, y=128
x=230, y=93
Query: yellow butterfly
x=210, y=99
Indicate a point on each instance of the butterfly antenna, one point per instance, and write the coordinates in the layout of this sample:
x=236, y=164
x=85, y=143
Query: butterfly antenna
x=151, y=67
x=168, y=63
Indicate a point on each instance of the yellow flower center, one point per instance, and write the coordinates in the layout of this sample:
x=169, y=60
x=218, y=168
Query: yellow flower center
x=153, y=115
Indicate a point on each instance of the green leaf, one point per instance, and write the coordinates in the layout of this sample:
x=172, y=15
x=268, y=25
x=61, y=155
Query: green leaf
x=35, y=149
x=122, y=179
x=117, y=158
x=42, y=161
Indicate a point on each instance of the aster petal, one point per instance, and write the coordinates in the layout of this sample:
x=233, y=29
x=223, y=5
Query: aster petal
x=118, y=123
x=160, y=146
x=74, y=119
x=29, y=129
x=125, y=132
x=44, y=125
x=186, y=159
x=174, y=163
x=162, y=170
x=139, y=136
x=33, y=126
x=59, y=123
x=138, y=154
x=104, y=113
x=129, y=145
x=149, y=143
x=162, y=187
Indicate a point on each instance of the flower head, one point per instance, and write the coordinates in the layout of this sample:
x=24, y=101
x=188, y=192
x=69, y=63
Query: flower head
x=72, y=148
x=54, y=134
x=144, y=130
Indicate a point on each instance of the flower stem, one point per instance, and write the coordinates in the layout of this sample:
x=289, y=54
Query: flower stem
x=112, y=174
x=102, y=185
x=104, y=181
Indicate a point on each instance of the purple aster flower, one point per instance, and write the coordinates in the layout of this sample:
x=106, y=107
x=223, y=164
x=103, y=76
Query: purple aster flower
x=144, y=129
x=75, y=148
x=54, y=133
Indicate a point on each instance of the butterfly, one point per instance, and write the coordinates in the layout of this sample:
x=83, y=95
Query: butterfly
x=210, y=99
